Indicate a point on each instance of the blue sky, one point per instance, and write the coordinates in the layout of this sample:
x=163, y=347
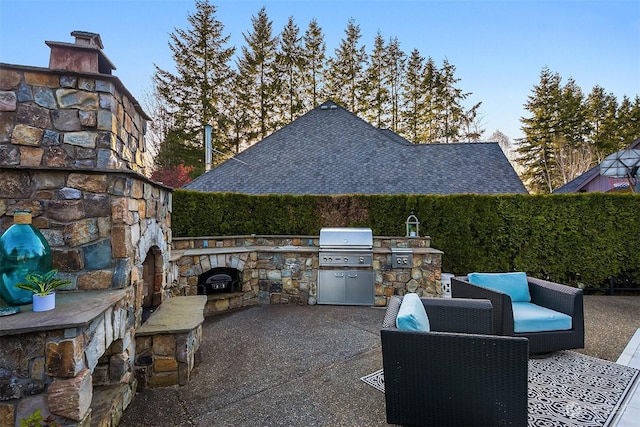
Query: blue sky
x=499, y=47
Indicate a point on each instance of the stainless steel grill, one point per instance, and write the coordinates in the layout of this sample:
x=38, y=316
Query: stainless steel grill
x=346, y=247
x=346, y=259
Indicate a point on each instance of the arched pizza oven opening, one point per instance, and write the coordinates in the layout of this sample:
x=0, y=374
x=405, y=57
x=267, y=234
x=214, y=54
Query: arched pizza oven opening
x=220, y=280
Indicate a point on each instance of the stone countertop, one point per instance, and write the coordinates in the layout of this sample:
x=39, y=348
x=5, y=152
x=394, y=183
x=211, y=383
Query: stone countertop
x=175, y=315
x=73, y=309
x=176, y=254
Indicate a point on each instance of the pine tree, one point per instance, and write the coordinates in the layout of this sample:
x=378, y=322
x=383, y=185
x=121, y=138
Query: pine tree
x=375, y=92
x=413, y=99
x=541, y=133
x=602, y=110
x=345, y=74
x=315, y=50
x=628, y=122
x=291, y=61
x=430, y=119
x=196, y=93
x=449, y=111
x=396, y=60
x=258, y=68
x=572, y=152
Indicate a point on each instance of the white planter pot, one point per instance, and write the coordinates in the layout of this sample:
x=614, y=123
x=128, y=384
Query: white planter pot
x=44, y=303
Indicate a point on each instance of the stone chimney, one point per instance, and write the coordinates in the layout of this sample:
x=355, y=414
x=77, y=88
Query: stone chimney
x=83, y=56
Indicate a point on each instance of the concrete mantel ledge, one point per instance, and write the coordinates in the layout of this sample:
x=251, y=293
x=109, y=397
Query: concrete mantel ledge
x=73, y=309
x=175, y=315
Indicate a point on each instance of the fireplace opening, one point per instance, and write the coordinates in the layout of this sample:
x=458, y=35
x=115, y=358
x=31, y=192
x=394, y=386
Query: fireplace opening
x=219, y=280
x=152, y=282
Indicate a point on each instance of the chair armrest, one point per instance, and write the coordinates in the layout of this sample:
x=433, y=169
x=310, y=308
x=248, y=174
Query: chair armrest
x=472, y=316
x=558, y=297
x=501, y=302
x=555, y=296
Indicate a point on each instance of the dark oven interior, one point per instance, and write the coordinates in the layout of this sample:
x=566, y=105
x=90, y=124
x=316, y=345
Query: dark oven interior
x=219, y=280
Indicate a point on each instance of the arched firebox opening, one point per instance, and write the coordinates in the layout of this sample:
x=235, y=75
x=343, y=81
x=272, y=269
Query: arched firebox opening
x=220, y=280
x=152, y=282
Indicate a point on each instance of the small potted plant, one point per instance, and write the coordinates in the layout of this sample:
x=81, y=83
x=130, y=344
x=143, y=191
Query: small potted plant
x=43, y=287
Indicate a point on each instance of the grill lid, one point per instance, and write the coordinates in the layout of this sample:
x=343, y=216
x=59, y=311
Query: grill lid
x=345, y=237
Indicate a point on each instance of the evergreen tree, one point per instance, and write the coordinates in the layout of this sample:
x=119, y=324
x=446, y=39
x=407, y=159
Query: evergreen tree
x=541, y=132
x=413, y=99
x=258, y=68
x=449, y=111
x=315, y=50
x=292, y=62
x=241, y=114
x=396, y=60
x=429, y=118
x=602, y=110
x=375, y=93
x=628, y=122
x=195, y=94
x=572, y=152
x=345, y=74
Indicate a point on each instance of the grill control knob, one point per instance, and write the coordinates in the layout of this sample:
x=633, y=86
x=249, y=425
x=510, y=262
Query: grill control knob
x=330, y=259
x=361, y=260
x=346, y=259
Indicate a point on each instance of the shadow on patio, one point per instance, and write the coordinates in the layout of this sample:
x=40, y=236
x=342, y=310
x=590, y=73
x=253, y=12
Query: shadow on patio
x=301, y=366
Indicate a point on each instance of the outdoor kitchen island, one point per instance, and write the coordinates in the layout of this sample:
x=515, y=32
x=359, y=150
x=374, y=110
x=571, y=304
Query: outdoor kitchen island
x=284, y=269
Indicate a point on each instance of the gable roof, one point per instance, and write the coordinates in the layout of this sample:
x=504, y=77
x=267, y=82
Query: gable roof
x=329, y=150
x=581, y=182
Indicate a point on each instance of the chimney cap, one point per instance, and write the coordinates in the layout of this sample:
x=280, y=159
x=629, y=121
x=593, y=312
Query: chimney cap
x=85, y=55
x=87, y=38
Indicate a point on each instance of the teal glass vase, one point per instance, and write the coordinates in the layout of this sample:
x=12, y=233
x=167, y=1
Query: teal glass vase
x=23, y=250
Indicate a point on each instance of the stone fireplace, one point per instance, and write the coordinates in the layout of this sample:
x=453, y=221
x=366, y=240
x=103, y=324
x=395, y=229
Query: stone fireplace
x=72, y=151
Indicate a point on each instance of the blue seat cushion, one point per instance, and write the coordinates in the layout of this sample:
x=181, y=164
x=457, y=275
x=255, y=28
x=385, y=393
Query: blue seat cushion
x=513, y=284
x=412, y=315
x=528, y=317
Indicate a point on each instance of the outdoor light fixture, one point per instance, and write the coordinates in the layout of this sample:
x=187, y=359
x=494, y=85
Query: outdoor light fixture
x=412, y=225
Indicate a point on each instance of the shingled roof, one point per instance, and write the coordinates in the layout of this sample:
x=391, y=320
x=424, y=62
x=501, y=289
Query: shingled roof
x=329, y=150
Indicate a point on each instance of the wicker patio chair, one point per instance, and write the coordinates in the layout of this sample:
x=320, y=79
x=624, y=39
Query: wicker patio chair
x=554, y=296
x=458, y=373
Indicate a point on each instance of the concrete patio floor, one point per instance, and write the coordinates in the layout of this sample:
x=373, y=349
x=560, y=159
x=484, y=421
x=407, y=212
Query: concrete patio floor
x=301, y=366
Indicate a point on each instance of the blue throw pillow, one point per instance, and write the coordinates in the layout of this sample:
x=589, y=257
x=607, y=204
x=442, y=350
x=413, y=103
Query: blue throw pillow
x=513, y=284
x=412, y=316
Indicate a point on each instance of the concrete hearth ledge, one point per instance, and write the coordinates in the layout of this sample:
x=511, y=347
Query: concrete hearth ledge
x=175, y=315
x=73, y=309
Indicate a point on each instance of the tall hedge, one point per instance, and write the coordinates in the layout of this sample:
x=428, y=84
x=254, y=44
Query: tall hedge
x=578, y=238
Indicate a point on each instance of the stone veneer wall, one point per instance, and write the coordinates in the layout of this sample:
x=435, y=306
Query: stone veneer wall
x=68, y=119
x=72, y=151
x=80, y=374
x=273, y=274
x=100, y=225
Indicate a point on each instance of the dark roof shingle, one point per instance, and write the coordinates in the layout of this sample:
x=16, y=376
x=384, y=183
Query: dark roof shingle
x=329, y=150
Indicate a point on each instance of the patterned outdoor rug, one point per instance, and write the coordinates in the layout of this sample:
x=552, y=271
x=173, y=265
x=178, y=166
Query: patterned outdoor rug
x=567, y=389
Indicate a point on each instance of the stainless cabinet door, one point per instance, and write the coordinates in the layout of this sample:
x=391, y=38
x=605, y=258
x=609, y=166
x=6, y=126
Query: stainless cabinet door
x=331, y=287
x=359, y=287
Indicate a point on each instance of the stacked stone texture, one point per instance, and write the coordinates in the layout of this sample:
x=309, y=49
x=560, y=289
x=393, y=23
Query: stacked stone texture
x=290, y=277
x=58, y=119
x=67, y=363
x=72, y=152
